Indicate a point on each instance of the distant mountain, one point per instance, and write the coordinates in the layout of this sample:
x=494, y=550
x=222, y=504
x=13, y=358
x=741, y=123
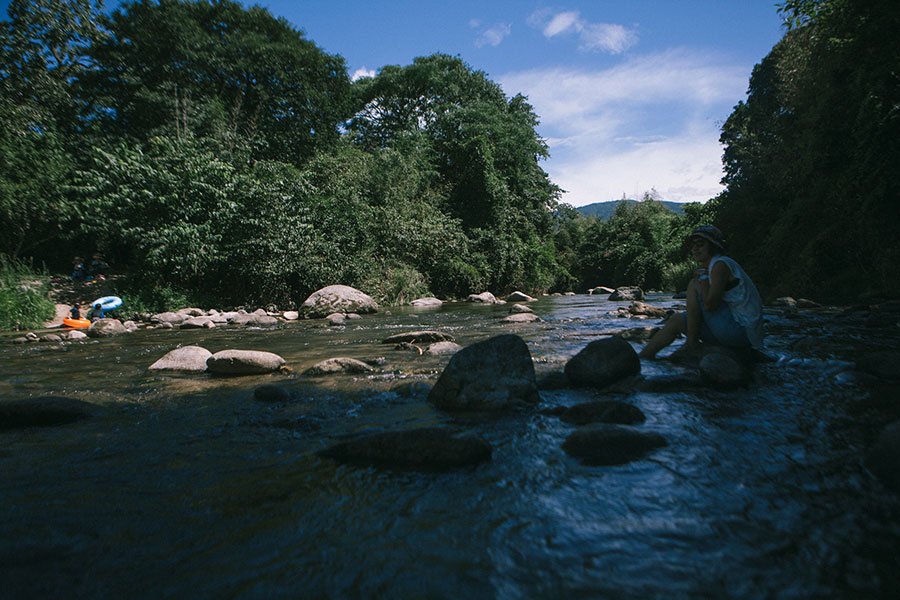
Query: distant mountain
x=604, y=210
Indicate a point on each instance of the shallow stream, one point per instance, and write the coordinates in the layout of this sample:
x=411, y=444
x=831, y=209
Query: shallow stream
x=187, y=487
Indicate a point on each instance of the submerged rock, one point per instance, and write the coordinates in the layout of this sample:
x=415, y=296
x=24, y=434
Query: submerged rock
x=44, y=411
x=602, y=411
x=413, y=337
x=271, y=393
x=243, y=362
x=495, y=374
x=188, y=359
x=426, y=448
x=333, y=366
x=603, y=362
x=605, y=444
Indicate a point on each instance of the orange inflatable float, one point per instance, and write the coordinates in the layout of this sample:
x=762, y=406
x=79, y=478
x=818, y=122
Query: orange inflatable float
x=76, y=323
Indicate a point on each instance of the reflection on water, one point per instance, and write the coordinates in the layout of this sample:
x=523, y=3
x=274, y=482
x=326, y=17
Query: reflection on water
x=186, y=487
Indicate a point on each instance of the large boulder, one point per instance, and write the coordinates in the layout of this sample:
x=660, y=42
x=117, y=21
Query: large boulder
x=106, y=328
x=337, y=298
x=427, y=448
x=605, y=444
x=493, y=375
x=603, y=362
x=883, y=458
x=629, y=292
x=188, y=359
x=243, y=362
x=484, y=298
x=44, y=411
x=420, y=337
x=333, y=366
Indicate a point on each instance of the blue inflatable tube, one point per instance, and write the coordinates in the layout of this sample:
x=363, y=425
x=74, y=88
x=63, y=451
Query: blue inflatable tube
x=107, y=303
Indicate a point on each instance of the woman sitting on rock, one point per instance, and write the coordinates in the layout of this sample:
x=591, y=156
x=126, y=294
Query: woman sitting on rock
x=723, y=306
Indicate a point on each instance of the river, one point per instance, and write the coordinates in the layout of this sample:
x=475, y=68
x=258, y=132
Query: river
x=187, y=487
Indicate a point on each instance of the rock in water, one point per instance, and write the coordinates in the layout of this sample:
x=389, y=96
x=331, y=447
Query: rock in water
x=604, y=444
x=603, y=362
x=243, y=362
x=106, y=328
x=723, y=371
x=44, y=411
x=334, y=366
x=337, y=298
x=418, y=337
x=603, y=411
x=883, y=458
x=426, y=448
x=495, y=374
x=627, y=293
x=189, y=359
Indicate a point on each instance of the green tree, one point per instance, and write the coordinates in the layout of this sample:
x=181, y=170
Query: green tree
x=214, y=68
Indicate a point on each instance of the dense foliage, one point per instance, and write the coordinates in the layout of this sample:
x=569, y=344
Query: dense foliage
x=214, y=154
x=811, y=157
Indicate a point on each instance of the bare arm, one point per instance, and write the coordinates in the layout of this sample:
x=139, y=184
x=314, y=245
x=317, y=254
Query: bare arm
x=713, y=288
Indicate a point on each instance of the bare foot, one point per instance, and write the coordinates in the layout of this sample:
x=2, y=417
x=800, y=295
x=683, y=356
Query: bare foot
x=686, y=353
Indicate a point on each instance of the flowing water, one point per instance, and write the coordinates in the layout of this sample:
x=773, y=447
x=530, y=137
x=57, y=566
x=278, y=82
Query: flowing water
x=186, y=487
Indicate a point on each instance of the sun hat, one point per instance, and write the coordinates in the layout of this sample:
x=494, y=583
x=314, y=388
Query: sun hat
x=709, y=233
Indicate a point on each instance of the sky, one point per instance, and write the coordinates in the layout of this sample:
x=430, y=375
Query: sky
x=630, y=94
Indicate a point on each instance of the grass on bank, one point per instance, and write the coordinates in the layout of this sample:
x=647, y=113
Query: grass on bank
x=24, y=300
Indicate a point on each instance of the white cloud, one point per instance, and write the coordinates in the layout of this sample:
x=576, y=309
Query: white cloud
x=492, y=36
x=593, y=37
x=362, y=72
x=649, y=122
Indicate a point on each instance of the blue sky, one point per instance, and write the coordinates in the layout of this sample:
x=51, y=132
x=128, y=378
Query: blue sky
x=630, y=93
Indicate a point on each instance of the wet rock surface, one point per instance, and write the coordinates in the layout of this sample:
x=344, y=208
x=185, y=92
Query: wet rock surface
x=605, y=444
x=602, y=363
x=43, y=411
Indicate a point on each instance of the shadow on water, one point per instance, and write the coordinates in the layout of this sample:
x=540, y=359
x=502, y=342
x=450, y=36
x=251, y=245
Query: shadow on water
x=186, y=486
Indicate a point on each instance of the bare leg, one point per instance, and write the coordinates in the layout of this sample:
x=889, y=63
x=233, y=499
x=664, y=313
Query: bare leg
x=694, y=314
x=671, y=330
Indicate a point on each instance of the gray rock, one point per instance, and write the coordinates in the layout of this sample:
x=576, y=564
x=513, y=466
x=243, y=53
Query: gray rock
x=629, y=292
x=243, y=362
x=168, y=317
x=603, y=362
x=44, y=411
x=723, y=371
x=52, y=338
x=520, y=297
x=494, y=375
x=605, y=444
x=603, y=411
x=195, y=323
x=521, y=318
x=426, y=302
x=422, y=337
x=130, y=326
x=106, y=328
x=290, y=315
x=442, y=348
x=188, y=359
x=427, y=448
x=334, y=366
x=271, y=393
x=335, y=319
x=601, y=290
x=883, y=458
x=75, y=335
x=642, y=308
x=785, y=302
x=516, y=309
x=484, y=298
x=337, y=298
x=637, y=334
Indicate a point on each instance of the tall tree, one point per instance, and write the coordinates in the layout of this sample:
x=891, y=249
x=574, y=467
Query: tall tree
x=214, y=68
